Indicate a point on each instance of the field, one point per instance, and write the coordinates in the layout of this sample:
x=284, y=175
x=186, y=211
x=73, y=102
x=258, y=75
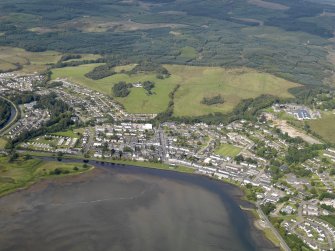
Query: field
x=324, y=127
x=188, y=53
x=85, y=57
x=196, y=83
x=138, y=101
x=31, y=61
x=233, y=85
x=330, y=219
x=228, y=150
x=70, y=133
x=22, y=173
x=3, y=143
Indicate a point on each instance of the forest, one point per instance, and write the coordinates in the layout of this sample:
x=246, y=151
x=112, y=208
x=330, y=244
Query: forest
x=214, y=33
x=5, y=112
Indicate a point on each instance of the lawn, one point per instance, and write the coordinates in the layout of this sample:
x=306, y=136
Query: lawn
x=196, y=83
x=324, y=127
x=227, y=150
x=22, y=173
x=70, y=133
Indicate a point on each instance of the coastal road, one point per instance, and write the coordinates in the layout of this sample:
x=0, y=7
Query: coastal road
x=12, y=120
x=278, y=236
x=162, y=142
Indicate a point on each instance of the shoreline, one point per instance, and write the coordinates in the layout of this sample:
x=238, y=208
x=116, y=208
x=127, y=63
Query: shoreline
x=240, y=198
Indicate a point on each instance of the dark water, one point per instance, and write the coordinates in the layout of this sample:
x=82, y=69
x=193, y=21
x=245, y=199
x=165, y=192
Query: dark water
x=129, y=209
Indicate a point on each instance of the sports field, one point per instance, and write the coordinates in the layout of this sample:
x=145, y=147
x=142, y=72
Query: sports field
x=196, y=83
x=228, y=150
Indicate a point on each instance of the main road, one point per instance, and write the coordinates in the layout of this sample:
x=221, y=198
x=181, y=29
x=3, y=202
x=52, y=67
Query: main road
x=12, y=118
x=269, y=224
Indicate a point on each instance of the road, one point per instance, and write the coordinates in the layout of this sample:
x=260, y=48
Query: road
x=162, y=142
x=268, y=223
x=90, y=140
x=10, y=123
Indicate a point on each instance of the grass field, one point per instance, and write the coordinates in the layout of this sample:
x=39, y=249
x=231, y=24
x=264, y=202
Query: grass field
x=85, y=57
x=228, y=150
x=70, y=133
x=3, y=143
x=330, y=219
x=324, y=127
x=188, y=53
x=137, y=101
x=31, y=61
x=196, y=83
x=22, y=173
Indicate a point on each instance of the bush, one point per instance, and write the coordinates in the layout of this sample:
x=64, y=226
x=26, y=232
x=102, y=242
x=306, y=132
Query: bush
x=213, y=100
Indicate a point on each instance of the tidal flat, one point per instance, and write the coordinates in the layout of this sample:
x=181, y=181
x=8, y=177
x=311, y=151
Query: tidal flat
x=126, y=208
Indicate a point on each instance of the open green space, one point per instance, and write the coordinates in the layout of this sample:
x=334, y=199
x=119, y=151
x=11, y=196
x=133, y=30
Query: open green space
x=21, y=173
x=3, y=143
x=85, y=57
x=71, y=133
x=196, y=83
x=232, y=84
x=188, y=53
x=329, y=218
x=324, y=127
x=227, y=150
x=15, y=58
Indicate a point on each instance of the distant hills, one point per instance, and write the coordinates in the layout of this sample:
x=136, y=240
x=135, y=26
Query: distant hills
x=289, y=38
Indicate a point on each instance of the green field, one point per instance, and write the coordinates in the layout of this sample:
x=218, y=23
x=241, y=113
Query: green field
x=188, y=53
x=70, y=133
x=3, y=143
x=85, y=57
x=330, y=219
x=31, y=61
x=324, y=127
x=22, y=173
x=227, y=150
x=196, y=83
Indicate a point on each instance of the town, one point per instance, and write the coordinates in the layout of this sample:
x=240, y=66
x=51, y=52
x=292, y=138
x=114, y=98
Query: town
x=290, y=179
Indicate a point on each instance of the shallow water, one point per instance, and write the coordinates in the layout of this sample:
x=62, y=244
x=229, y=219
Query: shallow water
x=129, y=209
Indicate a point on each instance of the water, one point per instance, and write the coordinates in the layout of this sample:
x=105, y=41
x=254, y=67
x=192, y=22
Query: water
x=130, y=209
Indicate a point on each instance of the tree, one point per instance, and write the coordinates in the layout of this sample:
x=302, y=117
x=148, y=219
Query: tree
x=120, y=89
x=59, y=156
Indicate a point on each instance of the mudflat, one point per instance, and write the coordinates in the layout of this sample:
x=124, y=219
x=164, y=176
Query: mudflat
x=128, y=208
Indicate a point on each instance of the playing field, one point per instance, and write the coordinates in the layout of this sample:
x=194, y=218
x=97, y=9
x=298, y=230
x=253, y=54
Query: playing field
x=227, y=150
x=324, y=126
x=196, y=83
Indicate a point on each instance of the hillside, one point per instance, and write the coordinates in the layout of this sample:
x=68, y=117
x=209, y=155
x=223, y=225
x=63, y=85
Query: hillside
x=290, y=39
